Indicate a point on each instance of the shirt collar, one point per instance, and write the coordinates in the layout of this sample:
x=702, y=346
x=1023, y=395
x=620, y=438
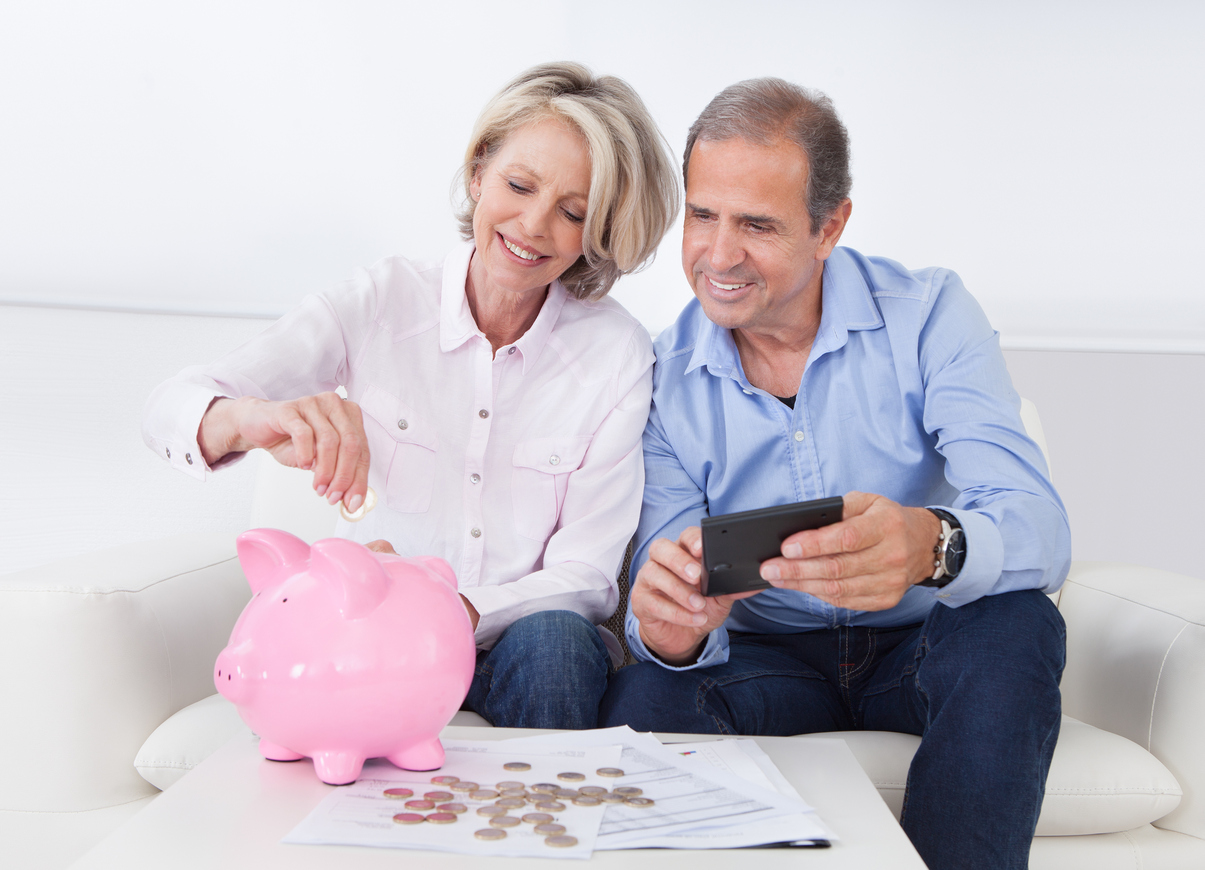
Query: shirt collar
x=456, y=324
x=846, y=306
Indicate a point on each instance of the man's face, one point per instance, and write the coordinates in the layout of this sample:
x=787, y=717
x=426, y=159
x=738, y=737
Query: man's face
x=747, y=245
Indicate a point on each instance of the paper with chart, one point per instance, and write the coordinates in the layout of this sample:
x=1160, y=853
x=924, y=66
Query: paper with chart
x=361, y=814
x=696, y=806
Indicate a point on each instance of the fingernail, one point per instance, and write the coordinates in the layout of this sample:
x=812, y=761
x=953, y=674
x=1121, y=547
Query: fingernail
x=696, y=601
x=793, y=551
x=692, y=571
x=334, y=497
x=321, y=490
x=354, y=504
x=698, y=619
x=770, y=572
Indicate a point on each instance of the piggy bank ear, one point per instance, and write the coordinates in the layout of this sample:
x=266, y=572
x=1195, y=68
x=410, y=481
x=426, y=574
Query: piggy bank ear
x=270, y=556
x=359, y=581
x=440, y=567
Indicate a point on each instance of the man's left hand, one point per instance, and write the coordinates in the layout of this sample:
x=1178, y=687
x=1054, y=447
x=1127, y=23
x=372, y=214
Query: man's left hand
x=865, y=562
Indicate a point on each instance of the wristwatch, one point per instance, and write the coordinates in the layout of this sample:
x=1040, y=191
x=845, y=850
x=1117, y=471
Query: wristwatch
x=950, y=551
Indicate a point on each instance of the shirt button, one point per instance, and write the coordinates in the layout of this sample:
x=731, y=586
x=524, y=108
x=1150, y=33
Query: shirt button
x=554, y=460
x=512, y=350
x=798, y=436
x=483, y=413
x=475, y=478
x=169, y=452
x=747, y=392
x=476, y=533
x=402, y=424
x=188, y=458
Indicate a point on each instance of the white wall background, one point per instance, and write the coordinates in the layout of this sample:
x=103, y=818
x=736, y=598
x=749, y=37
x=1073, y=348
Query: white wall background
x=227, y=158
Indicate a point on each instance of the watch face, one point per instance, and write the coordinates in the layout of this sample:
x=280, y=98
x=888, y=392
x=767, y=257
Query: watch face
x=956, y=552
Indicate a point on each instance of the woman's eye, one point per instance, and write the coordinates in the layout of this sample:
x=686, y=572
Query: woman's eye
x=574, y=217
x=518, y=188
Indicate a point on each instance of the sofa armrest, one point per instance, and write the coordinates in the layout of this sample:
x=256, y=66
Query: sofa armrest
x=1136, y=667
x=97, y=651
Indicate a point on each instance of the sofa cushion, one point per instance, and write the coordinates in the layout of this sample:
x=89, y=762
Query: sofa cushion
x=200, y=729
x=1099, y=783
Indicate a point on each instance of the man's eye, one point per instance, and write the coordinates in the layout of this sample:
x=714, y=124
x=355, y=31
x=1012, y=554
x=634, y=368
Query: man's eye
x=759, y=228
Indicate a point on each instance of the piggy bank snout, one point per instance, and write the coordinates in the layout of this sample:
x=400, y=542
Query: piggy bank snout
x=229, y=679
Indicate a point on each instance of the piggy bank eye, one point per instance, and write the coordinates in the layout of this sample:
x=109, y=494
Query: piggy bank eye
x=283, y=600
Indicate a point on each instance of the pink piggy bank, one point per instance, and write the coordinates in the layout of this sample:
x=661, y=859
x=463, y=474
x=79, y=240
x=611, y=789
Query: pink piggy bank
x=344, y=654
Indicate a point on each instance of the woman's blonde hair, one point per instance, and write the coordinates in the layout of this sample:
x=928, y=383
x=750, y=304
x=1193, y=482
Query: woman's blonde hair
x=633, y=195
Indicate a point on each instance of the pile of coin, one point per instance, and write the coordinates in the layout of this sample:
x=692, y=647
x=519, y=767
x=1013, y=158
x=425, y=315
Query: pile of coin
x=509, y=796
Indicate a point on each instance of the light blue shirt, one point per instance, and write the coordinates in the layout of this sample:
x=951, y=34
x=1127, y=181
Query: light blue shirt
x=905, y=394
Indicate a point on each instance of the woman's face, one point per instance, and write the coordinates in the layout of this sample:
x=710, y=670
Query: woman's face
x=531, y=205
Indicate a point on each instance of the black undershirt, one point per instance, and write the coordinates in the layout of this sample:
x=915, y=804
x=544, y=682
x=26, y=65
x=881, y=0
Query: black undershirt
x=789, y=401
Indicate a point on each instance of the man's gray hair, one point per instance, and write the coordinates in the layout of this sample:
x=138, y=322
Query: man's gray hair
x=767, y=109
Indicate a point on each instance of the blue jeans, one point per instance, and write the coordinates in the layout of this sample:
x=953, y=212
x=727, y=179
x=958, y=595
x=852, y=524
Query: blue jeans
x=547, y=670
x=979, y=683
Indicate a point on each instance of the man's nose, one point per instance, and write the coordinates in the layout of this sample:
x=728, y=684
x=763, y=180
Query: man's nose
x=726, y=251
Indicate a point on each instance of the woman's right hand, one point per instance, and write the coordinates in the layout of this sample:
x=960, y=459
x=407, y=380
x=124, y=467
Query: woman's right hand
x=323, y=433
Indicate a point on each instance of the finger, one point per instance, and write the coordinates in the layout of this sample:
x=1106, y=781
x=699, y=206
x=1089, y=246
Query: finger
x=691, y=540
x=288, y=420
x=674, y=557
x=352, y=449
x=838, y=566
x=381, y=546
x=660, y=595
x=871, y=593
x=326, y=446
x=853, y=533
x=359, y=486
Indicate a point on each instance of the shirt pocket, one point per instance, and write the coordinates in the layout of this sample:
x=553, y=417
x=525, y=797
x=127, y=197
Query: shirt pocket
x=403, y=447
x=539, y=480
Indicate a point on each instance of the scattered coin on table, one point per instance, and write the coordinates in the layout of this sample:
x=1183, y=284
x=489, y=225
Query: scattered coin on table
x=490, y=834
x=550, y=806
x=452, y=808
x=513, y=792
x=399, y=793
x=537, y=818
x=629, y=791
x=586, y=801
x=511, y=803
x=566, y=793
x=441, y=818
x=504, y=821
x=638, y=802
x=592, y=791
x=516, y=765
x=549, y=830
x=484, y=794
x=609, y=771
x=570, y=776
x=461, y=785
x=611, y=798
x=491, y=811
x=439, y=795
x=509, y=783
x=409, y=818
x=420, y=805
x=561, y=841
x=549, y=787
x=444, y=780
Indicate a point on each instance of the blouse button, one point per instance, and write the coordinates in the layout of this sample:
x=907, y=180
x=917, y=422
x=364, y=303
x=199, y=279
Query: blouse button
x=798, y=435
x=169, y=452
x=475, y=478
x=188, y=458
x=402, y=424
x=554, y=460
x=512, y=350
x=476, y=533
x=483, y=413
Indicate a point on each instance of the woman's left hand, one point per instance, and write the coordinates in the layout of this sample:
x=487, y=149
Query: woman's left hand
x=385, y=547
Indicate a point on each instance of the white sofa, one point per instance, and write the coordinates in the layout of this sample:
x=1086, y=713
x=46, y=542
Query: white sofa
x=107, y=679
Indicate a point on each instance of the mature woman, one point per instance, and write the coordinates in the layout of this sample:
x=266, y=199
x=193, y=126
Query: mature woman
x=495, y=400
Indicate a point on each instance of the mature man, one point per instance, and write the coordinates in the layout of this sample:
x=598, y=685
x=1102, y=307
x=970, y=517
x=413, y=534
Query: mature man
x=802, y=371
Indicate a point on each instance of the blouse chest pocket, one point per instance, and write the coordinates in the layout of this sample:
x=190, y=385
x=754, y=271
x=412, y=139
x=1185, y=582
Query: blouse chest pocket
x=540, y=479
x=402, y=449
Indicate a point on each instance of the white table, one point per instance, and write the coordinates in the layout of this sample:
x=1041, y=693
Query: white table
x=233, y=809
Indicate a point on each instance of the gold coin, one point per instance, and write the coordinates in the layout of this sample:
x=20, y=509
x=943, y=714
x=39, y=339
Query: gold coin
x=516, y=765
x=509, y=783
x=444, y=780
x=504, y=821
x=548, y=787
x=592, y=791
x=419, y=805
x=441, y=818
x=409, y=818
x=584, y=801
x=549, y=830
x=609, y=771
x=511, y=803
x=629, y=791
x=561, y=841
x=611, y=798
x=461, y=785
x=370, y=501
x=491, y=811
x=513, y=792
x=452, y=808
x=399, y=792
x=483, y=794
x=638, y=802
x=490, y=834
x=550, y=806
x=567, y=793
x=570, y=776
x=537, y=818
x=439, y=795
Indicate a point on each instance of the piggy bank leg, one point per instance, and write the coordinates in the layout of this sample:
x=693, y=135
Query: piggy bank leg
x=424, y=756
x=276, y=752
x=337, y=768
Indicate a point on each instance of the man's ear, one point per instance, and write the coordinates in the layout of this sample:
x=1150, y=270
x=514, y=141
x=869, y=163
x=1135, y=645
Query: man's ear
x=831, y=232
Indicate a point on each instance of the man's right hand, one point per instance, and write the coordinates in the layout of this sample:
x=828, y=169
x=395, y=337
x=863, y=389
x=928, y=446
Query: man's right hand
x=675, y=617
x=323, y=433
